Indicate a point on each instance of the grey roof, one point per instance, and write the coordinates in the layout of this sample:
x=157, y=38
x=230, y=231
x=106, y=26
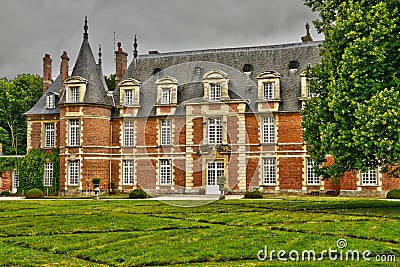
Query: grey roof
x=231, y=61
x=86, y=67
x=40, y=107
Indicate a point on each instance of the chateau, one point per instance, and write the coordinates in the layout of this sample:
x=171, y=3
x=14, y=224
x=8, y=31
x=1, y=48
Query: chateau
x=177, y=122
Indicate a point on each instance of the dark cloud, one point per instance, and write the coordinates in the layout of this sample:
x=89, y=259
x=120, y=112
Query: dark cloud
x=32, y=28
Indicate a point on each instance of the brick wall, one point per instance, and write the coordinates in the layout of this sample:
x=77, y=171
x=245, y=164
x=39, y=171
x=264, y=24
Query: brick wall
x=290, y=173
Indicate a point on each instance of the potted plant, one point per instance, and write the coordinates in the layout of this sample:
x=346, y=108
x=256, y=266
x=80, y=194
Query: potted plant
x=96, y=187
x=221, y=182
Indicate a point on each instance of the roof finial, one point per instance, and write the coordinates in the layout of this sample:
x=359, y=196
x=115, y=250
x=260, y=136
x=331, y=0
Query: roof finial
x=85, y=34
x=308, y=37
x=135, y=52
x=99, y=54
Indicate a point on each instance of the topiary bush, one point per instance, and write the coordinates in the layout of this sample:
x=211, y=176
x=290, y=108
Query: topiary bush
x=138, y=193
x=5, y=193
x=394, y=194
x=34, y=193
x=253, y=194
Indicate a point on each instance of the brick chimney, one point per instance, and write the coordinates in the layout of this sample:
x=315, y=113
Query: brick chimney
x=64, y=67
x=121, y=61
x=46, y=72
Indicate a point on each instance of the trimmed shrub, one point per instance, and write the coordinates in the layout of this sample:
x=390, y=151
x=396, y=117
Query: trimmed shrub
x=138, y=193
x=34, y=193
x=394, y=194
x=5, y=193
x=253, y=194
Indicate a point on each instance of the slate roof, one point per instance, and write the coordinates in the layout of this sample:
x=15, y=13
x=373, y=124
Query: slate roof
x=86, y=67
x=180, y=65
x=40, y=107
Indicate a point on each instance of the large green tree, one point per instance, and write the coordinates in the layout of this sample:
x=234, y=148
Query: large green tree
x=16, y=97
x=356, y=116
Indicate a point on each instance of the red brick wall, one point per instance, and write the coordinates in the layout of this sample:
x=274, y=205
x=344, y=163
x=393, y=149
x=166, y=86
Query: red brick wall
x=95, y=132
x=6, y=181
x=197, y=130
x=289, y=128
x=179, y=172
x=253, y=132
x=95, y=169
x=252, y=172
x=290, y=173
x=146, y=173
x=36, y=135
x=390, y=182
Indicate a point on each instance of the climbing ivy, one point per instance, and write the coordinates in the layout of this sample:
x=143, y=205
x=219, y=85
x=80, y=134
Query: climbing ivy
x=31, y=169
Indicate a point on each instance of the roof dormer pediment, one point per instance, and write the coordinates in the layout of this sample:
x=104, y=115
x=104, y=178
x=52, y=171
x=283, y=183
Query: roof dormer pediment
x=269, y=74
x=75, y=79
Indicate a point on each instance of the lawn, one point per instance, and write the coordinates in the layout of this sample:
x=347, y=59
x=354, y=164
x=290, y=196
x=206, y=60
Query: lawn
x=222, y=233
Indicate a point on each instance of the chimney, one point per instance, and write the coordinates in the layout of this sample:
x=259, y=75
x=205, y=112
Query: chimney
x=64, y=67
x=308, y=37
x=46, y=72
x=121, y=60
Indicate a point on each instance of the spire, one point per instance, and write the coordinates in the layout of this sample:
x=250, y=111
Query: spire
x=135, y=52
x=85, y=34
x=308, y=37
x=99, y=54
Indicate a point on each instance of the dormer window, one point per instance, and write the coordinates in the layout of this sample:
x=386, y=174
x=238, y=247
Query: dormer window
x=50, y=101
x=215, y=92
x=167, y=91
x=74, y=94
x=305, y=92
x=216, y=86
x=166, y=96
x=268, y=91
x=129, y=92
x=269, y=86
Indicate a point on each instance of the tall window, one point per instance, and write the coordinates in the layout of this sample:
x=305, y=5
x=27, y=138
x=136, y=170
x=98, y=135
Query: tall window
x=50, y=101
x=129, y=97
x=165, y=172
x=369, y=178
x=74, y=94
x=269, y=176
x=73, y=172
x=165, y=132
x=215, y=130
x=49, y=135
x=215, y=91
x=215, y=169
x=48, y=174
x=15, y=178
x=268, y=91
x=74, y=132
x=128, y=174
x=268, y=130
x=312, y=179
x=128, y=133
x=166, y=96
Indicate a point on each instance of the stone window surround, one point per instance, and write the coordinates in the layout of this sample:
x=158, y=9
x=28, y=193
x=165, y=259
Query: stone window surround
x=216, y=77
x=129, y=84
x=75, y=82
x=167, y=83
x=265, y=78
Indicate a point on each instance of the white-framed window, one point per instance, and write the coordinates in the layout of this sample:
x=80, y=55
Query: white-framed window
x=215, y=130
x=129, y=133
x=165, y=172
x=369, y=177
x=268, y=91
x=312, y=179
x=166, y=95
x=215, y=169
x=215, y=92
x=165, y=126
x=49, y=135
x=48, y=174
x=128, y=172
x=15, y=178
x=268, y=129
x=50, y=101
x=128, y=97
x=74, y=94
x=73, y=172
x=269, y=174
x=74, y=132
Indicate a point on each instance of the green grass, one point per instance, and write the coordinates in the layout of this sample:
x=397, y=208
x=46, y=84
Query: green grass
x=223, y=233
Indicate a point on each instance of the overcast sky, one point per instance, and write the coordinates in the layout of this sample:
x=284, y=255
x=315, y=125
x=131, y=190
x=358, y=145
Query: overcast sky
x=31, y=28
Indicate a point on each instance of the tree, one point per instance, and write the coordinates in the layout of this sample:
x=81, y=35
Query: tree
x=17, y=97
x=355, y=118
x=110, y=81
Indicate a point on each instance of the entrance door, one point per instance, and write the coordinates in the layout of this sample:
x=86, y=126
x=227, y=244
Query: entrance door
x=215, y=169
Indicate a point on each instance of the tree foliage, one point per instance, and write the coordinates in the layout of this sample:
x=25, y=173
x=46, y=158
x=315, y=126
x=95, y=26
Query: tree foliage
x=16, y=97
x=355, y=117
x=110, y=81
